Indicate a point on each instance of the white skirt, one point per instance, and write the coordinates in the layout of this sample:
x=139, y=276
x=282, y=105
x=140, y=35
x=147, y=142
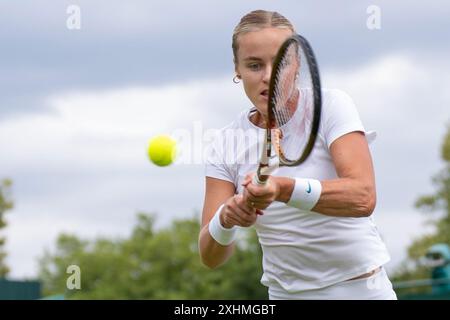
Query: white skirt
x=376, y=287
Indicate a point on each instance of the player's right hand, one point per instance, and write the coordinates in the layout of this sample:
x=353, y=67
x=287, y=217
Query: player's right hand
x=237, y=212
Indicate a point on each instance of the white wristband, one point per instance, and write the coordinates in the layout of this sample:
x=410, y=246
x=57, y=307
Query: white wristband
x=219, y=233
x=306, y=193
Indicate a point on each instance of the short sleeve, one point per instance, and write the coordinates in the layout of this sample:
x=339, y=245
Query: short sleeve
x=340, y=117
x=215, y=164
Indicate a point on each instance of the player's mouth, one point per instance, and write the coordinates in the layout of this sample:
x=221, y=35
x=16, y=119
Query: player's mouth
x=265, y=94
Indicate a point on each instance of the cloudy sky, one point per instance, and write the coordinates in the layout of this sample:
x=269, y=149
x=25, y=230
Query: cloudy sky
x=78, y=106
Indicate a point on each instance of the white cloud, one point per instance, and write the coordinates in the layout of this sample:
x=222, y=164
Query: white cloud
x=113, y=125
x=398, y=89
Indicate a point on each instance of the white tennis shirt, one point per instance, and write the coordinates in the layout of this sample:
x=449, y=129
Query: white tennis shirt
x=302, y=250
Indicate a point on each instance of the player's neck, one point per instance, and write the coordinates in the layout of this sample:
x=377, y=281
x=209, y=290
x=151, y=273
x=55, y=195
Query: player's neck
x=258, y=120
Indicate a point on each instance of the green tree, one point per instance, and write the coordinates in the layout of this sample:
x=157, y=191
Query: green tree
x=5, y=205
x=153, y=264
x=437, y=207
x=439, y=203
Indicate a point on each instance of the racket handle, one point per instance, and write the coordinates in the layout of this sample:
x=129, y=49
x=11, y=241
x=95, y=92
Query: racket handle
x=266, y=171
x=257, y=181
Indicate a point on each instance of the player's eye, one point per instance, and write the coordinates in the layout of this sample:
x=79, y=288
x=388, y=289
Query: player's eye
x=254, y=66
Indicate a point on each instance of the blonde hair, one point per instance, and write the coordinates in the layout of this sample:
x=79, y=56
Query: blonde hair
x=257, y=20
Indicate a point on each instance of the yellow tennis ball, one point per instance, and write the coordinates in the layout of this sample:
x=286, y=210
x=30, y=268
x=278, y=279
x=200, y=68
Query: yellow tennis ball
x=162, y=150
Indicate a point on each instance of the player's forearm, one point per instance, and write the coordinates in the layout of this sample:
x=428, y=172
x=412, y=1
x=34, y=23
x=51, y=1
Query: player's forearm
x=346, y=197
x=342, y=197
x=212, y=253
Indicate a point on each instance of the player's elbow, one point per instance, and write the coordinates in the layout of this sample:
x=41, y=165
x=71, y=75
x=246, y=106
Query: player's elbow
x=210, y=257
x=368, y=201
x=369, y=208
x=210, y=263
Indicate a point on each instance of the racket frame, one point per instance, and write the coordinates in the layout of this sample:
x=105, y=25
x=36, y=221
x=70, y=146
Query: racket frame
x=268, y=162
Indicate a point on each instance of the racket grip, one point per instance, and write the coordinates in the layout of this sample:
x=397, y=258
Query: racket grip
x=273, y=164
x=257, y=181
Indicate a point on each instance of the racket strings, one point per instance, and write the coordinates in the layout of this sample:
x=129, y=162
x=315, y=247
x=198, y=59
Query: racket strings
x=284, y=86
x=293, y=89
x=294, y=103
x=281, y=112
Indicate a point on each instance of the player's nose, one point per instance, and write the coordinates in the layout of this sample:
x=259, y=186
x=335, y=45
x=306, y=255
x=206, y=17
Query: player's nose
x=267, y=73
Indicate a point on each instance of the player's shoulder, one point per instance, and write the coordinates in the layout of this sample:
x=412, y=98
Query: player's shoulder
x=338, y=108
x=236, y=128
x=333, y=96
x=240, y=122
x=337, y=101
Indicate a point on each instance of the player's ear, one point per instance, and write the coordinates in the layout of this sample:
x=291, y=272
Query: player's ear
x=236, y=71
x=236, y=66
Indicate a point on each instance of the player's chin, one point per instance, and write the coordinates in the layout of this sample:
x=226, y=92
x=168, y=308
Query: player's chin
x=263, y=98
x=261, y=105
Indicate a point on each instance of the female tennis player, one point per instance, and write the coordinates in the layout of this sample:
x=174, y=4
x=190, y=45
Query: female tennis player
x=313, y=221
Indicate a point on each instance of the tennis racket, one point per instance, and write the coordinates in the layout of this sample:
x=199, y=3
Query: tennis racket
x=294, y=108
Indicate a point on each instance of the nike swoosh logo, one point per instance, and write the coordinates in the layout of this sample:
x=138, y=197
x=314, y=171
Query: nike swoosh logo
x=309, y=188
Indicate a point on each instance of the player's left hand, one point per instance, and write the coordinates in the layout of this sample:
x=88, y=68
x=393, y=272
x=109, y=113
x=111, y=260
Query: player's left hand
x=260, y=196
